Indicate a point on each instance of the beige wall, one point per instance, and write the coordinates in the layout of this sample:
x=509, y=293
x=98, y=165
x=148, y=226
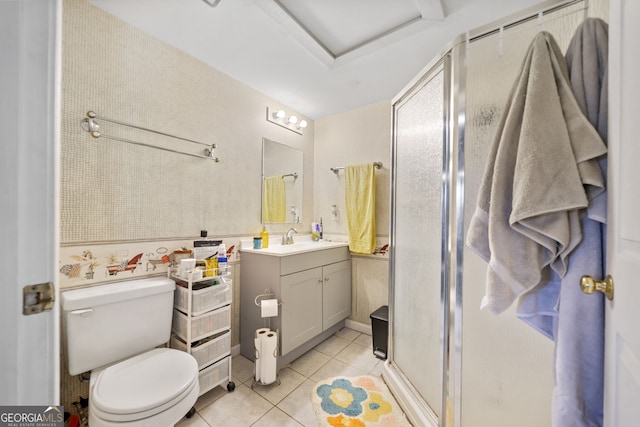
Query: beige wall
x=369, y=286
x=358, y=136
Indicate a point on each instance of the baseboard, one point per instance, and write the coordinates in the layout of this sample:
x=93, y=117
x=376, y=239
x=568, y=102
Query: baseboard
x=348, y=323
x=235, y=350
x=408, y=398
x=357, y=326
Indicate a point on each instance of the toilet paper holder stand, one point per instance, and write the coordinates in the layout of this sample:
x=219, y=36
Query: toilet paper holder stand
x=267, y=295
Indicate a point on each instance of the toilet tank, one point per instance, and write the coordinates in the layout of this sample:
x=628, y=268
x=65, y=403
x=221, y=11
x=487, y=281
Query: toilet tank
x=108, y=323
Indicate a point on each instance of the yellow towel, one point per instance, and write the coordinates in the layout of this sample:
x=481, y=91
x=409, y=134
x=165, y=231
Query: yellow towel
x=273, y=200
x=360, y=203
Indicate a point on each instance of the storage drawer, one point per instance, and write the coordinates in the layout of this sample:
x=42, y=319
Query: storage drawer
x=206, y=324
x=208, y=350
x=214, y=375
x=204, y=299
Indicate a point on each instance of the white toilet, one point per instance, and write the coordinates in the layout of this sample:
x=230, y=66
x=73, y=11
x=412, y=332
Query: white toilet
x=113, y=331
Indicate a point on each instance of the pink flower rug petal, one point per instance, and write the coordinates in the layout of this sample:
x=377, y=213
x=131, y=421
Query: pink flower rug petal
x=363, y=401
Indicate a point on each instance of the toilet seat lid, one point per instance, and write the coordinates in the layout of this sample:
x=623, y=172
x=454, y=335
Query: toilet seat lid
x=145, y=381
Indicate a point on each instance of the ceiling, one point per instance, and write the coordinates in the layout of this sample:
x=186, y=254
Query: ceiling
x=316, y=57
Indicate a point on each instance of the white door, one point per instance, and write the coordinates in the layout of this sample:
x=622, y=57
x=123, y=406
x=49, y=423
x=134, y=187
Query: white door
x=29, y=123
x=622, y=354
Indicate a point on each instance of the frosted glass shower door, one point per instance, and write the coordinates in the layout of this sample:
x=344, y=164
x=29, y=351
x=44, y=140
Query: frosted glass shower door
x=417, y=235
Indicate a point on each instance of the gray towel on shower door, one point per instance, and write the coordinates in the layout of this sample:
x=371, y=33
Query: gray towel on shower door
x=536, y=179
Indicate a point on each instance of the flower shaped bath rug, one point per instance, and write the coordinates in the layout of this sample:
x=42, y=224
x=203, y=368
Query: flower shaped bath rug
x=356, y=402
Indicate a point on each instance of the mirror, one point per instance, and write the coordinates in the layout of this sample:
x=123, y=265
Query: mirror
x=281, y=183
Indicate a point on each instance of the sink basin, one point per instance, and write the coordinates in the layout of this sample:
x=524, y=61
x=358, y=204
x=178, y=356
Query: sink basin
x=297, y=248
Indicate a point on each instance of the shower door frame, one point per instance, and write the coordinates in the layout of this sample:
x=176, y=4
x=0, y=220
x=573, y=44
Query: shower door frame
x=417, y=409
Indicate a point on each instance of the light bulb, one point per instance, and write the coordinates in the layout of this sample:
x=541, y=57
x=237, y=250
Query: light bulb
x=279, y=114
x=293, y=120
x=303, y=124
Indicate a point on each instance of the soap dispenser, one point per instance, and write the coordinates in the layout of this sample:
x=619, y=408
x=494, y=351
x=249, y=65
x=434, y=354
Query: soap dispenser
x=264, y=235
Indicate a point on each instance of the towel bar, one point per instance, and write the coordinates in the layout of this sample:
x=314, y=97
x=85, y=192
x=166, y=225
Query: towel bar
x=337, y=169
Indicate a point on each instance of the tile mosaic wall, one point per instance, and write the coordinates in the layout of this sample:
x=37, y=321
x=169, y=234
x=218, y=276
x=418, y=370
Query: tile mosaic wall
x=115, y=191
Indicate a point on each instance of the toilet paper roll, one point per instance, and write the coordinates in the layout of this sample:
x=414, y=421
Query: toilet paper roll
x=262, y=331
x=258, y=346
x=196, y=274
x=268, y=360
x=188, y=263
x=186, y=266
x=269, y=307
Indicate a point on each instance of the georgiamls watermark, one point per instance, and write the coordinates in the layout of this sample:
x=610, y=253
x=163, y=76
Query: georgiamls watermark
x=31, y=416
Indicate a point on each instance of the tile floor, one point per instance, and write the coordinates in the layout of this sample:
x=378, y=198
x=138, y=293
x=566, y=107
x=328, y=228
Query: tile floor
x=347, y=353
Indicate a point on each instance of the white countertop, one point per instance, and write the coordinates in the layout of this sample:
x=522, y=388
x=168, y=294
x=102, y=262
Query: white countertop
x=302, y=244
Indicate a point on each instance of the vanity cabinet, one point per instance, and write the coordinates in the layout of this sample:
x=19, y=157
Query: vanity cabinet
x=314, y=289
x=305, y=317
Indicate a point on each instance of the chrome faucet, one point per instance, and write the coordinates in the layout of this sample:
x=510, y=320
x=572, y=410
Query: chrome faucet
x=287, y=239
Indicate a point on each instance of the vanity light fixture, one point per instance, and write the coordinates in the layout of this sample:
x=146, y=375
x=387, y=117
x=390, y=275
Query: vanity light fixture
x=291, y=122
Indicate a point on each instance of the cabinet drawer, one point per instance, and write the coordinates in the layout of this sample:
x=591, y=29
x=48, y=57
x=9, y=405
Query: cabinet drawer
x=208, y=350
x=305, y=261
x=205, y=299
x=206, y=324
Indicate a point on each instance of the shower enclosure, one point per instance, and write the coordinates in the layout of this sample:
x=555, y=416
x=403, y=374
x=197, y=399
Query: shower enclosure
x=450, y=363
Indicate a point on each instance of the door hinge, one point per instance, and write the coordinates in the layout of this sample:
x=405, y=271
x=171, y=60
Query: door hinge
x=38, y=298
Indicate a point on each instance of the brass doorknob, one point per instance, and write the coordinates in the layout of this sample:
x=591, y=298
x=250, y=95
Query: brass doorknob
x=589, y=285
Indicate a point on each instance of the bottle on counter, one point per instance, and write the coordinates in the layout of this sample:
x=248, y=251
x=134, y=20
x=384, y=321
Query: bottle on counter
x=264, y=234
x=223, y=265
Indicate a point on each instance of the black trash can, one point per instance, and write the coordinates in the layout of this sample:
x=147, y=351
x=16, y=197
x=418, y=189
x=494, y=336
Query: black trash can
x=380, y=331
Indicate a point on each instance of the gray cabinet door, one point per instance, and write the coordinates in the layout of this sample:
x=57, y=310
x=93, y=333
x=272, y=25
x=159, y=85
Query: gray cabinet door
x=301, y=294
x=336, y=297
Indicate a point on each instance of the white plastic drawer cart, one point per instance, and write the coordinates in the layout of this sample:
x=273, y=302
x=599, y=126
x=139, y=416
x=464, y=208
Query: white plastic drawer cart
x=202, y=326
